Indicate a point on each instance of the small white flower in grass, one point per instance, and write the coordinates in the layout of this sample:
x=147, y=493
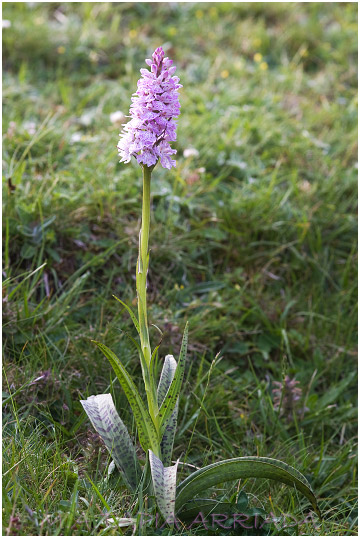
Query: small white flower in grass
x=75, y=137
x=117, y=117
x=94, y=57
x=11, y=129
x=305, y=185
x=111, y=468
x=6, y=23
x=87, y=118
x=191, y=152
x=121, y=521
x=30, y=127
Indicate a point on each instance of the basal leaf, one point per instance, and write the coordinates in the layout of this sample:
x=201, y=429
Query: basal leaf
x=164, y=482
x=106, y=421
x=171, y=397
x=167, y=442
x=246, y=467
x=147, y=433
x=206, y=506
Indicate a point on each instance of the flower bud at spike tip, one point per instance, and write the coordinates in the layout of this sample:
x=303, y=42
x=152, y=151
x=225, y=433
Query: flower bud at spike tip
x=154, y=108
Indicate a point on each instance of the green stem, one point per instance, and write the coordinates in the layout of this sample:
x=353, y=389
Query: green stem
x=142, y=266
x=141, y=277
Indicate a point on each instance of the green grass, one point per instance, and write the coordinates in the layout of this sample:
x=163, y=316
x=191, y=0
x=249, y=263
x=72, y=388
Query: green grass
x=253, y=242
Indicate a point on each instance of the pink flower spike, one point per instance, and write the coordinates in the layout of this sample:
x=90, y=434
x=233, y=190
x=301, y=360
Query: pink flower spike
x=153, y=111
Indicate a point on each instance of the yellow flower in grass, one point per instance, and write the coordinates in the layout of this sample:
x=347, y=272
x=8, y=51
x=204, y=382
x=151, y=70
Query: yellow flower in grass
x=263, y=66
x=258, y=57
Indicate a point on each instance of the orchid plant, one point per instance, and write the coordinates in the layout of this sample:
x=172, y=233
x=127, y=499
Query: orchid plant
x=155, y=107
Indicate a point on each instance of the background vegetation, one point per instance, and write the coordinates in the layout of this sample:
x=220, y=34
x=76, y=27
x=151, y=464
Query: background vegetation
x=253, y=241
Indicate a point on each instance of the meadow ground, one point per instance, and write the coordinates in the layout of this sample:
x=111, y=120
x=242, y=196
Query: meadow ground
x=253, y=241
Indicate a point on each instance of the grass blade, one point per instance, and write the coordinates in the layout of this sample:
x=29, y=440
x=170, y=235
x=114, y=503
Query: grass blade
x=28, y=275
x=71, y=516
x=101, y=497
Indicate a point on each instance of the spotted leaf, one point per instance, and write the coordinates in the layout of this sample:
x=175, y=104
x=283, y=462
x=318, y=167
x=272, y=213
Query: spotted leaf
x=245, y=467
x=167, y=442
x=106, y=421
x=164, y=482
x=172, y=394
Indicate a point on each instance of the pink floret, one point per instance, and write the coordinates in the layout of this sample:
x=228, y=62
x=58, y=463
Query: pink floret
x=154, y=108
